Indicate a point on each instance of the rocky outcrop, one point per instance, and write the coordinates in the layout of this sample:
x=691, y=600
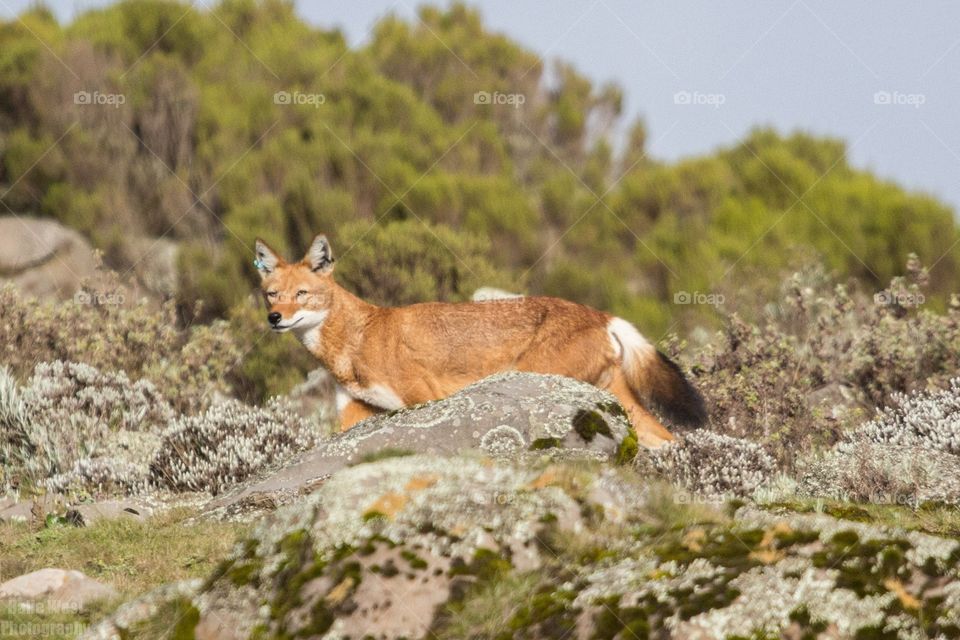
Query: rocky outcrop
x=44, y=258
x=57, y=587
x=428, y=546
x=506, y=416
x=86, y=514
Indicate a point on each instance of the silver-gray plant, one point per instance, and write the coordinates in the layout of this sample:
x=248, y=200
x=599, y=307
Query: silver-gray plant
x=74, y=428
x=713, y=464
x=908, y=454
x=227, y=443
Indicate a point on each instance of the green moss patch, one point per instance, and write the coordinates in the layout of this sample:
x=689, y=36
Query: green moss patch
x=588, y=424
x=545, y=443
x=628, y=448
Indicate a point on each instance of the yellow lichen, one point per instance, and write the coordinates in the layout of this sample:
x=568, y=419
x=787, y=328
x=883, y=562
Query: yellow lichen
x=421, y=482
x=388, y=505
x=906, y=599
x=340, y=592
x=693, y=540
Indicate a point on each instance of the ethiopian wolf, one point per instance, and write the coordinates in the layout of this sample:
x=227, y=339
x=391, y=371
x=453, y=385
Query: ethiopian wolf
x=386, y=358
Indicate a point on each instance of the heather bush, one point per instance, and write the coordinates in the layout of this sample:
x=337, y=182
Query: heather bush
x=69, y=412
x=75, y=429
x=882, y=474
x=930, y=420
x=187, y=366
x=909, y=453
x=711, y=464
x=227, y=443
x=826, y=357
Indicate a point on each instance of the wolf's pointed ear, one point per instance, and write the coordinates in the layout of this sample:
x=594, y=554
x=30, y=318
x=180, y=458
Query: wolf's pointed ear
x=266, y=259
x=320, y=255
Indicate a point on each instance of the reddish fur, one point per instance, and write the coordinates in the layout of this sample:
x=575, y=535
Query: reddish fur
x=428, y=351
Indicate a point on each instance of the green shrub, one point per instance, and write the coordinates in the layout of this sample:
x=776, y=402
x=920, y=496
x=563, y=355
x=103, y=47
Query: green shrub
x=411, y=261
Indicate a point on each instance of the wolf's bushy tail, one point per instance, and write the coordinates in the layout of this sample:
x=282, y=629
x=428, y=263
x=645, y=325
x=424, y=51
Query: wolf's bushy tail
x=656, y=380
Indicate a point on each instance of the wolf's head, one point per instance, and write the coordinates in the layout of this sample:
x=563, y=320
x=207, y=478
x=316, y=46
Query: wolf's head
x=298, y=294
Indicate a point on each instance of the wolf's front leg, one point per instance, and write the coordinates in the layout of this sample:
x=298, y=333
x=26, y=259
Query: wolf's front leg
x=354, y=412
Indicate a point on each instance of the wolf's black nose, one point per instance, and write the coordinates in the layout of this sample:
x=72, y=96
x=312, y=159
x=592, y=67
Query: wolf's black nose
x=274, y=318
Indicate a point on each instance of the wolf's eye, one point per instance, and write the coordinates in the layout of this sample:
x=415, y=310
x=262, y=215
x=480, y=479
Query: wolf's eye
x=271, y=294
x=301, y=293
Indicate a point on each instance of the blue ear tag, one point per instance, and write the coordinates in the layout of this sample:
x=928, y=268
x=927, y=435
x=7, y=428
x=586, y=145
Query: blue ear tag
x=258, y=263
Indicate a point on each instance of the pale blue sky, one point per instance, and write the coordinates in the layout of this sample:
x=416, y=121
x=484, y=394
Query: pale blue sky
x=794, y=64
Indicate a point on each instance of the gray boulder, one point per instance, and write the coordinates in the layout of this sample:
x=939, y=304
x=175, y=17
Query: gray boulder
x=43, y=257
x=464, y=546
x=381, y=547
x=505, y=416
x=55, y=586
x=84, y=515
x=35, y=510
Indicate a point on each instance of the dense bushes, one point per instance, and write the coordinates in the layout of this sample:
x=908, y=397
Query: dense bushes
x=407, y=262
x=102, y=329
x=70, y=413
x=824, y=359
x=74, y=428
x=201, y=149
x=908, y=454
x=146, y=405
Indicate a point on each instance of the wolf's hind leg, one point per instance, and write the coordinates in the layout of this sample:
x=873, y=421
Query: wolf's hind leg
x=650, y=433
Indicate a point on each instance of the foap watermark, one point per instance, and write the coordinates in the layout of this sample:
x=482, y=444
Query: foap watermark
x=515, y=100
x=698, y=297
x=683, y=497
x=492, y=294
x=698, y=98
x=100, y=99
x=896, y=499
x=900, y=99
x=299, y=98
x=494, y=498
x=898, y=298
x=99, y=298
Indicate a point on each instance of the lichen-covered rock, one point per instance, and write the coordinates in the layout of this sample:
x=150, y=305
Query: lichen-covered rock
x=380, y=547
x=449, y=547
x=150, y=605
x=506, y=416
x=773, y=576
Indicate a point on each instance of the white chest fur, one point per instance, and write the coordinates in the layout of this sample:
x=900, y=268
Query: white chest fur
x=343, y=398
x=311, y=337
x=378, y=395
